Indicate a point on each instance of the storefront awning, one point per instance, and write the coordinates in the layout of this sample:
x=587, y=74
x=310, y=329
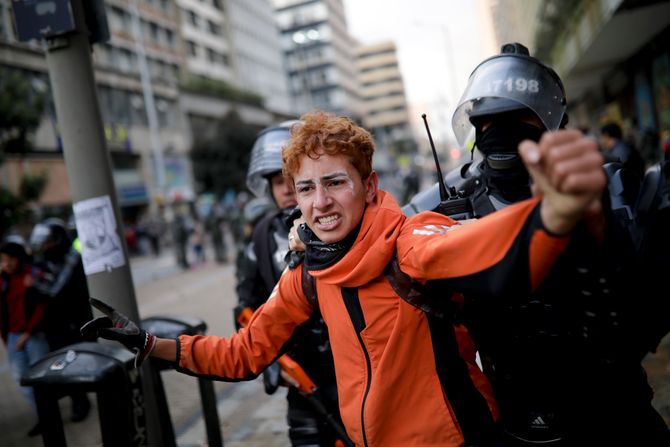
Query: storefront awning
x=619, y=39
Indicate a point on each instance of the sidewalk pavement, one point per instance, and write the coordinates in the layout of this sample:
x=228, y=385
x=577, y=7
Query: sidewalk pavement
x=248, y=417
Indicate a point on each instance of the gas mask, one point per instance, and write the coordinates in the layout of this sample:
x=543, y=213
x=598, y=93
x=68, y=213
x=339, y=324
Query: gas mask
x=502, y=165
x=500, y=141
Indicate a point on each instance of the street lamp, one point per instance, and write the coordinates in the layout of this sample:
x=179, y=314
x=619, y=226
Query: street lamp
x=302, y=39
x=445, y=102
x=152, y=115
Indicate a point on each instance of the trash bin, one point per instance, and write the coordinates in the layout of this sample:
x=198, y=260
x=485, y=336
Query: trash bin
x=168, y=326
x=107, y=370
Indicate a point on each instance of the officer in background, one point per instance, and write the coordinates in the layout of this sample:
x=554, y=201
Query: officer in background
x=259, y=270
x=564, y=361
x=63, y=281
x=616, y=149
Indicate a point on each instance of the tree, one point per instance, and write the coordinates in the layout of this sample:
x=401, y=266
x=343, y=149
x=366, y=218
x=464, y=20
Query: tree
x=221, y=163
x=21, y=109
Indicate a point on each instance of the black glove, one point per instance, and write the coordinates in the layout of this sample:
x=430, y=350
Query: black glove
x=292, y=216
x=116, y=326
x=272, y=378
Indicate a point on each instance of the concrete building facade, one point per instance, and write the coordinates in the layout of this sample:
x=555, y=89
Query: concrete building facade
x=383, y=94
x=320, y=56
x=612, y=55
x=233, y=42
x=121, y=101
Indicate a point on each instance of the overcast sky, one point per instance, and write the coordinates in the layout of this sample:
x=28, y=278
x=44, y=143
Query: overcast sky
x=439, y=43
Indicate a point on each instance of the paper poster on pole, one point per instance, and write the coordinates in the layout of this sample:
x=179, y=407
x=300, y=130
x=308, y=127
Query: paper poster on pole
x=101, y=248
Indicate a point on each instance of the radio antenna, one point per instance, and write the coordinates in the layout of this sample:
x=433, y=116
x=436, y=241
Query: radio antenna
x=440, y=179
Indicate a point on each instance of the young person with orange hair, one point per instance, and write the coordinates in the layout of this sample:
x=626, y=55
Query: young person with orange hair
x=392, y=375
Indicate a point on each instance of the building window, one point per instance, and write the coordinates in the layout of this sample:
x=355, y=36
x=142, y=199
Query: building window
x=153, y=31
x=193, y=18
x=169, y=37
x=192, y=48
x=124, y=60
x=213, y=27
x=211, y=55
x=217, y=58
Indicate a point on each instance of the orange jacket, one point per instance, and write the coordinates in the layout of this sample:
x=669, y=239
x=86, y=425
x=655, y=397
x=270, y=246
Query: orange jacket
x=389, y=392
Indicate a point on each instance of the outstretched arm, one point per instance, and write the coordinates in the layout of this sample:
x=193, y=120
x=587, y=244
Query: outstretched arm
x=165, y=349
x=241, y=356
x=568, y=175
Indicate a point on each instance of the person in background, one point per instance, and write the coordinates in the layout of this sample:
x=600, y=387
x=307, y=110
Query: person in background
x=198, y=242
x=181, y=231
x=261, y=267
x=154, y=228
x=63, y=281
x=394, y=385
x=21, y=311
x=214, y=224
x=615, y=149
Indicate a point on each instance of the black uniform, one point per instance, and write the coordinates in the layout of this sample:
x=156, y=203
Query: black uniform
x=64, y=283
x=258, y=272
x=565, y=360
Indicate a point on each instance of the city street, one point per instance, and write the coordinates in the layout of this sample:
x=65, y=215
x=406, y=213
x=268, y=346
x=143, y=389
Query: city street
x=247, y=415
x=131, y=126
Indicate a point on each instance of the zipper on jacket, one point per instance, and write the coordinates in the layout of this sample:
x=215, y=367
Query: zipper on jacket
x=353, y=305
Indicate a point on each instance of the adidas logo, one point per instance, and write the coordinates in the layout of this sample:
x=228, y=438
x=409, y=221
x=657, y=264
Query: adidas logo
x=538, y=421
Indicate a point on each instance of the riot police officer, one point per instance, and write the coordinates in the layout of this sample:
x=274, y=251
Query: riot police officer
x=63, y=281
x=565, y=359
x=259, y=269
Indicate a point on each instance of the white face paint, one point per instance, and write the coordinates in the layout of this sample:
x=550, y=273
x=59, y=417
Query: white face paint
x=334, y=183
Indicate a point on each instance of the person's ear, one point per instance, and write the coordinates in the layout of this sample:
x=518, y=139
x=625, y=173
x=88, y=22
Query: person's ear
x=371, y=186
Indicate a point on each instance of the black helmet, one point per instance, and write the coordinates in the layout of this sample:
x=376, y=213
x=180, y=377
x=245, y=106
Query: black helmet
x=266, y=157
x=50, y=236
x=510, y=81
x=15, y=247
x=257, y=208
x=253, y=211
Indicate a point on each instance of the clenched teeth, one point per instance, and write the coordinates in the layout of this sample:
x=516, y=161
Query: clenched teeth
x=328, y=219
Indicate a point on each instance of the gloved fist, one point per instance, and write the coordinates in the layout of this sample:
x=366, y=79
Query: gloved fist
x=116, y=326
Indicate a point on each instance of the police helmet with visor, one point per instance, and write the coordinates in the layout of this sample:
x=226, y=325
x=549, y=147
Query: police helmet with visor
x=50, y=235
x=508, y=82
x=266, y=157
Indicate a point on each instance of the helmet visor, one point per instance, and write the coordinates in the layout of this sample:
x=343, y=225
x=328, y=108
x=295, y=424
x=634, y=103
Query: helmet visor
x=39, y=236
x=519, y=79
x=265, y=159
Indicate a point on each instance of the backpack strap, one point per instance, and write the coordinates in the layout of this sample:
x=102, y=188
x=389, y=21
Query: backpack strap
x=309, y=287
x=410, y=290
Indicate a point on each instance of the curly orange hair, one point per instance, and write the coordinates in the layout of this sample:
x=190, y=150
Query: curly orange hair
x=320, y=133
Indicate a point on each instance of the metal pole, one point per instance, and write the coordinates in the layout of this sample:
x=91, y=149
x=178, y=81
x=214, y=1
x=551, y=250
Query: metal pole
x=90, y=176
x=149, y=103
